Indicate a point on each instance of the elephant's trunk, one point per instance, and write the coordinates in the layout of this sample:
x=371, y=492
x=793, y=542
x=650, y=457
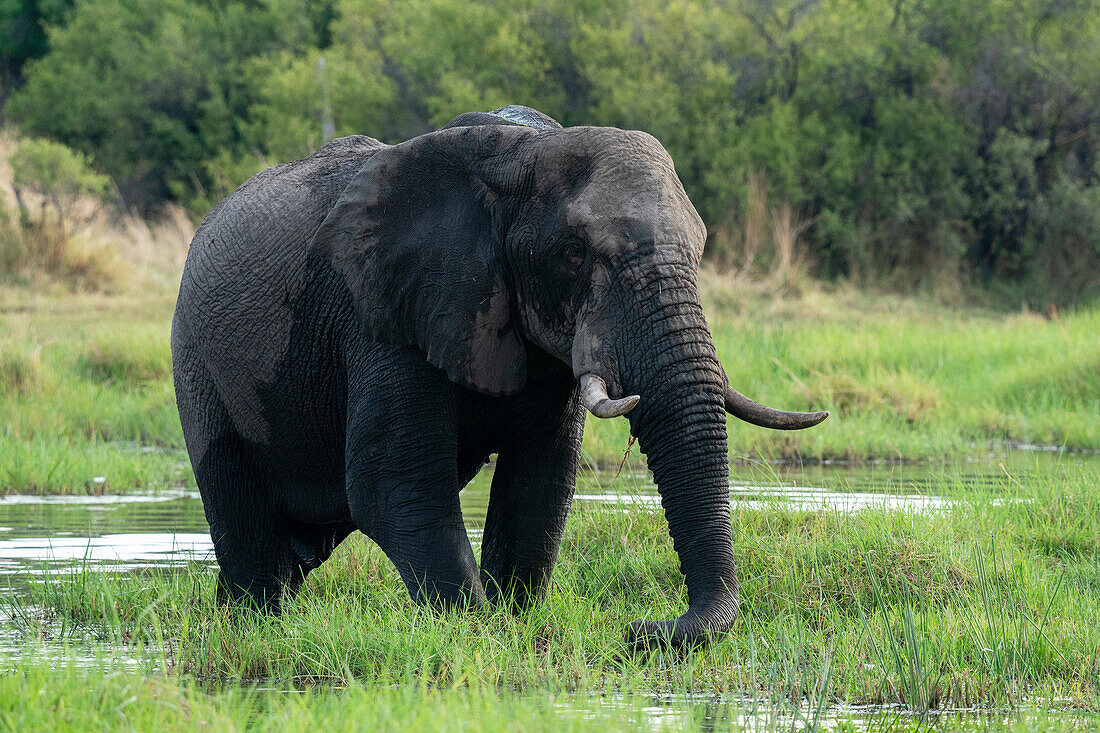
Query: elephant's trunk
x=668, y=358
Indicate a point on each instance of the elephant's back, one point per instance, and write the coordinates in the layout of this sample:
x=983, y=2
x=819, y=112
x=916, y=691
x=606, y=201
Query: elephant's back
x=247, y=268
x=263, y=228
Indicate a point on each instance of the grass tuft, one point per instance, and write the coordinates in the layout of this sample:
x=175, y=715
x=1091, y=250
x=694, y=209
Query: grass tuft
x=127, y=358
x=20, y=370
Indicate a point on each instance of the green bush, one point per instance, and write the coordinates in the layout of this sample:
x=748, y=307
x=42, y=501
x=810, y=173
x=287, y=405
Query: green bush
x=57, y=191
x=909, y=143
x=57, y=174
x=1061, y=246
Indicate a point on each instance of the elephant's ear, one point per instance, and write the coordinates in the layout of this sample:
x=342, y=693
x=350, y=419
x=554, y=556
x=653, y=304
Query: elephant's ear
x=417, y=236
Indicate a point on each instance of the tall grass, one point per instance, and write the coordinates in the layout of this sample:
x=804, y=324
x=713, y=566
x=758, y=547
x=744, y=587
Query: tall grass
x=20, y=369
x=904, y=379
x=85, y=244
x=131, y=359
x=69, y=466
x=85, y=391
x=910, y=650
x=875, y=606
x=39, y=252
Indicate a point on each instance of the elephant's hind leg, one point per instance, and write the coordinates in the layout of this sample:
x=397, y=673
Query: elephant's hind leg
x=251, y=540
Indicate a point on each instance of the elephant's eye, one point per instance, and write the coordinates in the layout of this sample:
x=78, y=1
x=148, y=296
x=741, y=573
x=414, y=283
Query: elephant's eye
x=574, y=254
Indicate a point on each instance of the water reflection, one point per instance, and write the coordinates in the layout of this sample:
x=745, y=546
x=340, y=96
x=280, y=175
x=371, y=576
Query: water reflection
x=43, y=535
x=115, y=551
x=733, y=712
x=39, y=535
x=799, y=498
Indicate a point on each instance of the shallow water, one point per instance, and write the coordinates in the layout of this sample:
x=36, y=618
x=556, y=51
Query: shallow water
x=41, y=535
x=747, y=713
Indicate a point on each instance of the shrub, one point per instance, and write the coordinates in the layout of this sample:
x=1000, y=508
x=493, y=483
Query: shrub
x=62, y=178
x=58, y=192
x=1062, y=241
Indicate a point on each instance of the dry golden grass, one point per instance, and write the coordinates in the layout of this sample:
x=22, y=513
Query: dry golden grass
x=100, y=250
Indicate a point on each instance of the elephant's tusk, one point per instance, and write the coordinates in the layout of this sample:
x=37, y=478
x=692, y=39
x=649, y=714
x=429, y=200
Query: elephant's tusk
x=594, y=396
x=753, y=412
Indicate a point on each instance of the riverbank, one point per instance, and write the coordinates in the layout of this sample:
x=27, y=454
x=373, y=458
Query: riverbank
x=986, y=598
x=86, y=393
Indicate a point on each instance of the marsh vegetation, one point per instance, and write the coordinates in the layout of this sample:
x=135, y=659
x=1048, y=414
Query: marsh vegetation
x=982, y=603
x=986, y=599
x=85, y=381
x=903, y=230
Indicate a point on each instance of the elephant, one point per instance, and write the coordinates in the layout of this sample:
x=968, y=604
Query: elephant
x=358, y=332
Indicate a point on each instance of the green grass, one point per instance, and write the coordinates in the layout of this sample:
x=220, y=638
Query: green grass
x=70, y=465
x=86, y=391
x=37, y=697
x=903, y=378
x=971, y=606
x=103, y=696
x=85, y=378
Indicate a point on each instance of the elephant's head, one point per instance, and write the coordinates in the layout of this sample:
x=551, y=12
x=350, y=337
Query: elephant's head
x=476, y=243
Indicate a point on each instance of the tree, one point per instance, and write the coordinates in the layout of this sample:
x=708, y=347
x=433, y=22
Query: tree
x=23, y=34
x=60, y=176
x=154, y=88
x=905, y=139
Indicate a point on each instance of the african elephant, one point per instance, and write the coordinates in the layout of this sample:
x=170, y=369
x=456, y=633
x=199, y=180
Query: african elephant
x=357, y=332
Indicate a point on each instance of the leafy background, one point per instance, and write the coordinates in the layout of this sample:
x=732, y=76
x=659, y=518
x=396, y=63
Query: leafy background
x=914, y=144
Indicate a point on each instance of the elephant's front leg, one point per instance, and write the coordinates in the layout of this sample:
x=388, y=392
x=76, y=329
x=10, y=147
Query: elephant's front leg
x=402, y=481
x=530, y=498
x=422, y=533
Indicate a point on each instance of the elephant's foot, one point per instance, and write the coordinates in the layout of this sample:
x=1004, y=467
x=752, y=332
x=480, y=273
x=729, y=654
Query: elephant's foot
x=690, y=631
x=265, y=596
x=437, y=565
x=449, y=597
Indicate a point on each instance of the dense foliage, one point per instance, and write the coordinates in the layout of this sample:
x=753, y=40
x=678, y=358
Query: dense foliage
x=23, y=34
x=925, y=141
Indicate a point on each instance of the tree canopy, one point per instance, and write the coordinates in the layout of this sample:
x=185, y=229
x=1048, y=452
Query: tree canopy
x=923, y=137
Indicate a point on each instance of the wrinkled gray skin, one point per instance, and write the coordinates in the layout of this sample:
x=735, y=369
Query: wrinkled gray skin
x=358, y=331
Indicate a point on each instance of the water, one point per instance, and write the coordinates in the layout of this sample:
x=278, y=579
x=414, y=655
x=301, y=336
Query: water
x=748, y=713
x=42, y=535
